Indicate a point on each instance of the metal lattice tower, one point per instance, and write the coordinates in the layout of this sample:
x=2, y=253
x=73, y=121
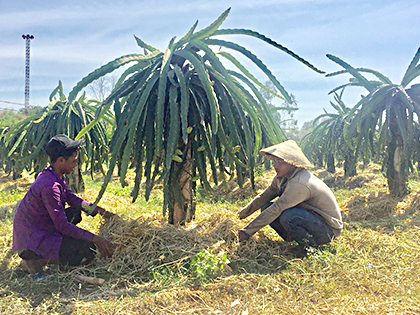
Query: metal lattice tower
x=27, y=66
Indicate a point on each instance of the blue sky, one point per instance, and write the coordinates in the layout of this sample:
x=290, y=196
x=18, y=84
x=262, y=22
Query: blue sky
x=74, y=37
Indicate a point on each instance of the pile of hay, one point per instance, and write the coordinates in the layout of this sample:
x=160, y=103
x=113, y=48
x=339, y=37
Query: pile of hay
x=147, y=250
x=144, y=244
x=147, y=243
x=373, y=206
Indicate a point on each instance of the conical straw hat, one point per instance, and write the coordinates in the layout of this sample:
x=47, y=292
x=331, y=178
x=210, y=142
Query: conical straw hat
x=288, y=151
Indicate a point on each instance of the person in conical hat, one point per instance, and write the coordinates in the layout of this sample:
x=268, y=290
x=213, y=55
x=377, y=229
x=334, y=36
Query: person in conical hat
x=297, y=205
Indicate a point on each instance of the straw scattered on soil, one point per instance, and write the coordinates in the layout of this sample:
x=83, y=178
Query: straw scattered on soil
x=362, y=272
x=360, y=208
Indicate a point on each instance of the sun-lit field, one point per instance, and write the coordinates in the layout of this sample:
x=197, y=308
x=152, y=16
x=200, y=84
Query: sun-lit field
x=372, y=268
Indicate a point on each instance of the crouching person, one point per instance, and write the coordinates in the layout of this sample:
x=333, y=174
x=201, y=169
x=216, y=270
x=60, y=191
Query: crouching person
x=44, y=230
x=305, y=210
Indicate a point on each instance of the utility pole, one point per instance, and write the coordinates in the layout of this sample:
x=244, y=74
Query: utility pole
x=27, y=67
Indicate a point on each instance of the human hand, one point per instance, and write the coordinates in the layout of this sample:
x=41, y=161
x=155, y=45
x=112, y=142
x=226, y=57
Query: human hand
x=104, y=246
x=108, y=214
x=104, y=213
x=243, y=213
x=243, y=236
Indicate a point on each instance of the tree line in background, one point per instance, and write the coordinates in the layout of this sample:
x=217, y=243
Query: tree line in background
x=176, y=116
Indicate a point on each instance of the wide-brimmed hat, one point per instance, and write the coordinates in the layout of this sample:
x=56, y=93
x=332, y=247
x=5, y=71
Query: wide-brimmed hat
x=288, y=151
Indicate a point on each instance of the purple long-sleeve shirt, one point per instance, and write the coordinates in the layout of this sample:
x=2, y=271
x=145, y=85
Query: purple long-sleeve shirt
x=40, y=220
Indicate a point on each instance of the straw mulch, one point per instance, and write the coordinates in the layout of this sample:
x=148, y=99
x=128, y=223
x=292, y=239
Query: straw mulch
x=378, y=204
x=21, y=183
x=148, y=244
x=147, y=250
x=361, y=208
x=251, y=283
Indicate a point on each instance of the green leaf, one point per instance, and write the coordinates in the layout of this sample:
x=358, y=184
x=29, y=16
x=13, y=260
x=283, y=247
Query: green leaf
x=143, y=96
x=267, y=40
x=108, y=68
x=143, y=45
x=187, y=36
x=275, y=134
x=59, y=90
x=173, y=135
x=380, y=76
x=243, y=98
x=161, y=97
x=175, y=158
x=361, y=79
x=138, y=67
x=126, y=87
x=413, y=70
x=247, y=73
x=17, y=143
x=209, y=30
x=185, y=101
x=206, y=84
x=254, y=59
x=343, y=86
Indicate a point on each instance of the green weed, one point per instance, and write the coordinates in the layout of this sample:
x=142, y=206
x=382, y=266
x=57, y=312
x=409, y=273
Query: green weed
x=206, y=266
x=199, y=269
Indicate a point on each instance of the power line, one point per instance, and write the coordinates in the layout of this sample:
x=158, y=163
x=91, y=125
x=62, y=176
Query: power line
x=14, y=103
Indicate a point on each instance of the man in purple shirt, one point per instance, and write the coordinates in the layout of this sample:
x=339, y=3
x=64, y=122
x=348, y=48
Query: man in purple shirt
x=44, y=231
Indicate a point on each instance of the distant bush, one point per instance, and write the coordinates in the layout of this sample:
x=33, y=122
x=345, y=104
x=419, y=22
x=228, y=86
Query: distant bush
x=9, y=117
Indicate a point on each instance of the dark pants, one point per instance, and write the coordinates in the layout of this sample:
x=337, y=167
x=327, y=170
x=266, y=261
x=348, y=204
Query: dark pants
x=302, y=226
x=73, y=251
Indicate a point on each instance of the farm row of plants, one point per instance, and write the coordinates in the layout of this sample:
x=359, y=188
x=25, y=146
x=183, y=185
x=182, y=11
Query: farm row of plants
x=179, y=123
x=173, y=117
x=180, y=116
x=382, y=126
